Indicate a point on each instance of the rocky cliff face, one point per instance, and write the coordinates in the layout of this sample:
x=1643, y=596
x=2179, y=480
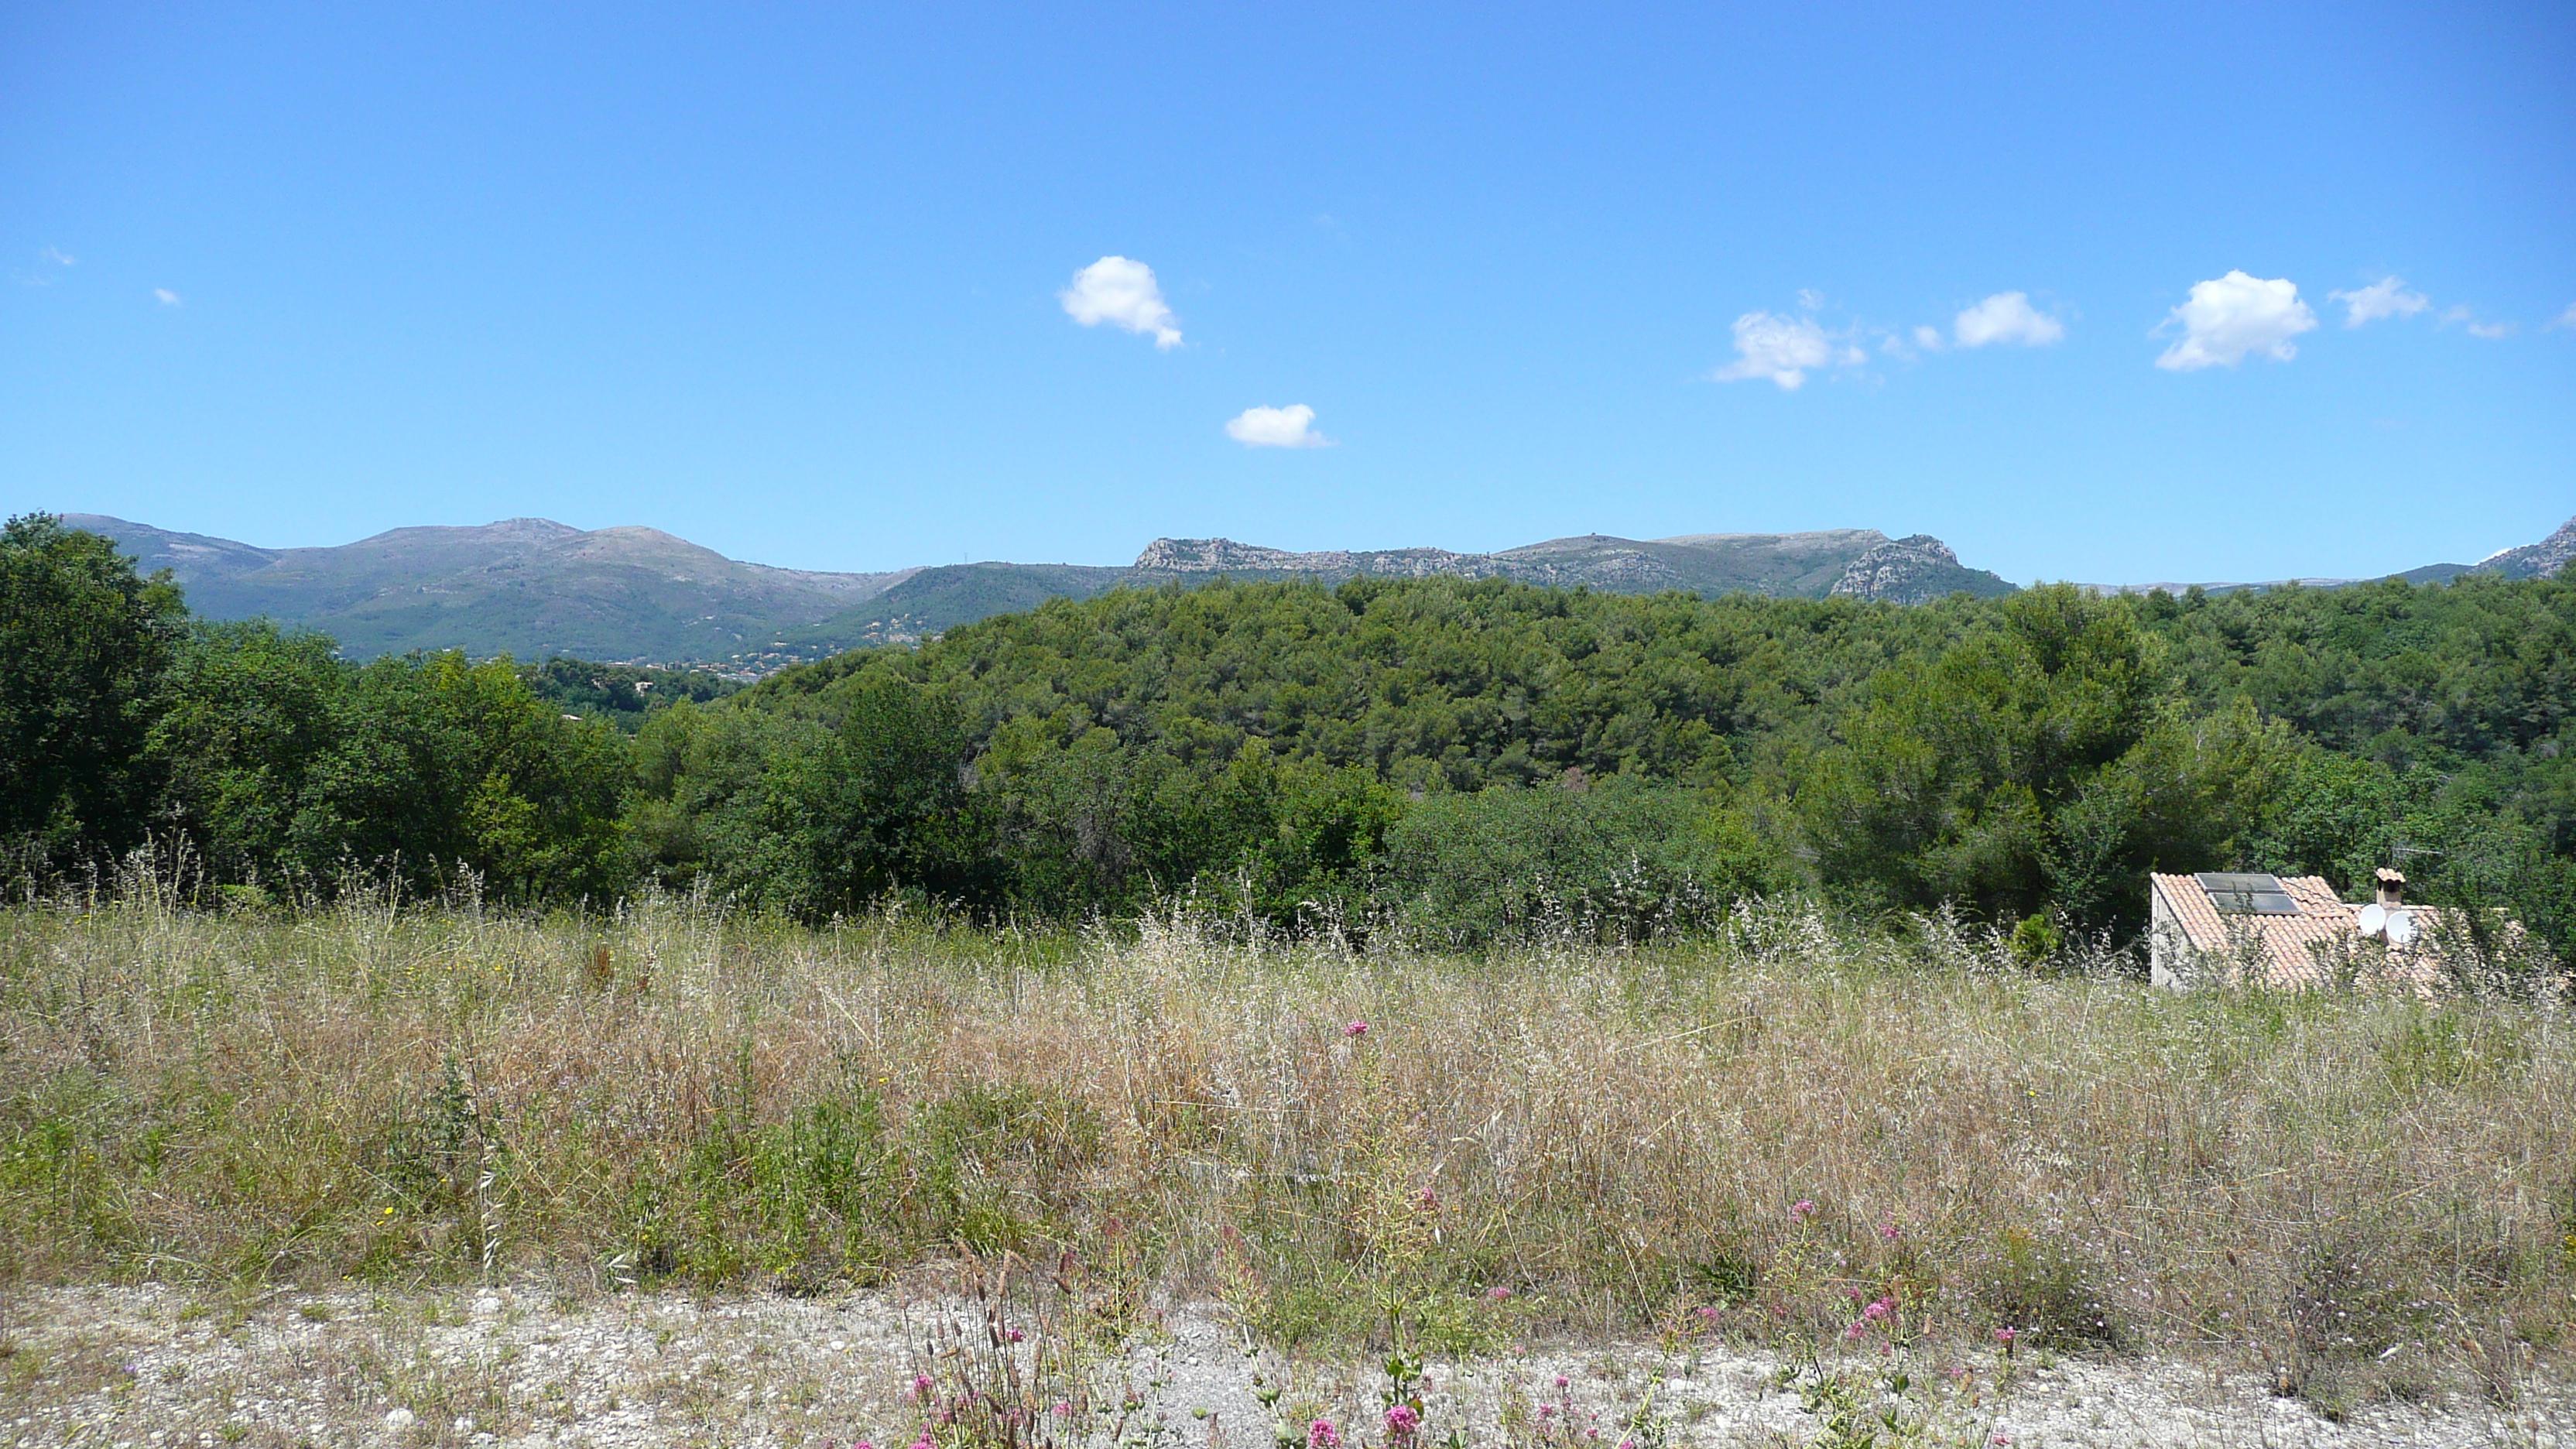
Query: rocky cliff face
x=1912, y=570
x=1859, y=563
x=2535, y=560
x=1224, y=555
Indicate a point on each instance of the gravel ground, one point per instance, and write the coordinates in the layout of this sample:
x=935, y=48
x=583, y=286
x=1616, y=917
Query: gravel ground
x=150, y=1368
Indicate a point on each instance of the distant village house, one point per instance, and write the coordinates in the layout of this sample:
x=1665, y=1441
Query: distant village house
x=2285, y=932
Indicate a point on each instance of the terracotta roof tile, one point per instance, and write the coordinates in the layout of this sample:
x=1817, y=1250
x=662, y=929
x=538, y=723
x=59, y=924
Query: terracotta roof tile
x=2287, y=946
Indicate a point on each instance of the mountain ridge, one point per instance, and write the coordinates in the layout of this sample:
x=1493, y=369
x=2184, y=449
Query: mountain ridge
x=526, y=586
x=2541, y=560
x=534, y=587
x=1848, y=562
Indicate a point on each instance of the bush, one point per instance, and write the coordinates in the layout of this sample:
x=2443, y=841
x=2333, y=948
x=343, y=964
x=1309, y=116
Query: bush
x=2048, y=1292
x=984, y=1154
x=1623, y=861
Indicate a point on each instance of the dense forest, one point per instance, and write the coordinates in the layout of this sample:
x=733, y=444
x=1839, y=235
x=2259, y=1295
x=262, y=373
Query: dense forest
x=1456, y=761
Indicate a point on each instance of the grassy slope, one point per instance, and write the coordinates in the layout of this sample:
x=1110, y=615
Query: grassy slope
x=1618, y=1139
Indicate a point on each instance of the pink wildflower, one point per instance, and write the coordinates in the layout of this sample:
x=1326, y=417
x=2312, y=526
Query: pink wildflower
x=1803, y=1208
x=1401, y=1421
x=1013, y=1335
x=2005, y=1335
x=1357, y=1028
x=1709, y=1313
x=1320, y=1435
x=1430, y=1199
x=1879, y=1309
x=1063, y=1408
x=921, y=1386
x=1547, y=1411
x=1890, y=1231
x=1498, y=1294
x=1560, y=1381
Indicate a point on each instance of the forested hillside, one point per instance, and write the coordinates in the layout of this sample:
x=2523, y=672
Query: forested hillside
x=1454, y=759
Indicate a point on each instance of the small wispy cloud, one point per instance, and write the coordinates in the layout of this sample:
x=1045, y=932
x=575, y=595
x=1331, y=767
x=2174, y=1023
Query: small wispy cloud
x=2231, y=317
x=1784, y=349
x=1289, y=427
x=167, y=298
x=1122, y=293
x=49, y=261
x=1928, y=338
x=2463, y=317
x=2006, y=317
x=2566, y=319
x=2386, y=297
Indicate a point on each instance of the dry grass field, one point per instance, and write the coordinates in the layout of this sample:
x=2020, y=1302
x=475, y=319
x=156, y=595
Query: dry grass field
x=1794, y=1136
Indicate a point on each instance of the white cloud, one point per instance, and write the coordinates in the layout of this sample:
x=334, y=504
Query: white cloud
x=2233, y=315
x=1928, y=338
x=1122, y=293
x=2007, y=317
x=2491, y=331
x=58, y=257
x=167, y=297
x=1781, y=349
x=1288, y=427
x=2386, y=297
x=2567, y=318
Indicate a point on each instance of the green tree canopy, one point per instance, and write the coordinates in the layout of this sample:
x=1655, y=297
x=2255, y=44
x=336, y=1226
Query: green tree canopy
x=2044, y=760
x=83, y=643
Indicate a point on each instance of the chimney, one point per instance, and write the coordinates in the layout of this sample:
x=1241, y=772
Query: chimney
x=2392, y=887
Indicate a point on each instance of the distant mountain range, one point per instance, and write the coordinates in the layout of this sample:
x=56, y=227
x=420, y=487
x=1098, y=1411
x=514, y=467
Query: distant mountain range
x=2528, y=561
x=524, y=586
x=533, y=588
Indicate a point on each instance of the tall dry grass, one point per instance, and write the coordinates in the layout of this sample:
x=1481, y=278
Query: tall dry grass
x=1757, y=1134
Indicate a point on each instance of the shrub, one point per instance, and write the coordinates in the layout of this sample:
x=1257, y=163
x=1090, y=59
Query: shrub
x=1622, y=861
x=2048, y=1292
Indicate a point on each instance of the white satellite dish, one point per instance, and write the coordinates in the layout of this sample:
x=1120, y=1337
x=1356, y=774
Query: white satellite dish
x=2373, y=920
x=2401, y=927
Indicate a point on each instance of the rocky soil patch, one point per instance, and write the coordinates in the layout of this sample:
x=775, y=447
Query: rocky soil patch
x=154, y=1368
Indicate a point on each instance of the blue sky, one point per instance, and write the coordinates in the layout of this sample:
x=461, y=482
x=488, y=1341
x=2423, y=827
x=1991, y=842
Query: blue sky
x=801, y=283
